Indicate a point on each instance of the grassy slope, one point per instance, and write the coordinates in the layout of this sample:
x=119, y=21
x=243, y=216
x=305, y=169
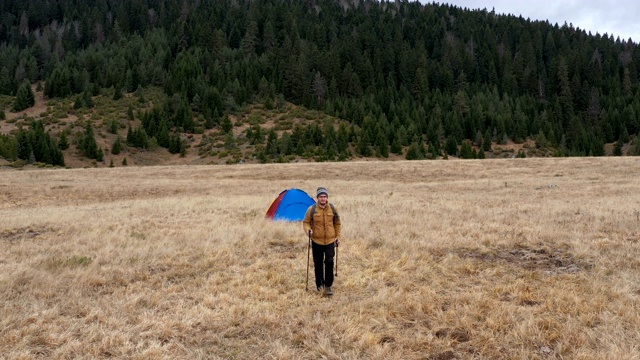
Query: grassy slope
x=523, y=258
x=206, y=148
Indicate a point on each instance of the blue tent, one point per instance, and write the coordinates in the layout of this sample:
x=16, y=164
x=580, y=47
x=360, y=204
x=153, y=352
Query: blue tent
x=290, y=205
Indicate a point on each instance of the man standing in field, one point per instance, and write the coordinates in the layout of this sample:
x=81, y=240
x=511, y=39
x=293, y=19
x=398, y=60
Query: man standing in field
x=322, y=224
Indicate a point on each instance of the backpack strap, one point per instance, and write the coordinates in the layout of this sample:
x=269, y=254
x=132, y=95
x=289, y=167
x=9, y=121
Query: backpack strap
x=335, y=213
x=313, y=211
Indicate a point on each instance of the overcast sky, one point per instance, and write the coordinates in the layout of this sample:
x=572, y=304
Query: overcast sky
x=614, y=17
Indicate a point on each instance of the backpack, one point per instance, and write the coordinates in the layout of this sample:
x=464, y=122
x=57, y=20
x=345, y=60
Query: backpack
x=335, y=213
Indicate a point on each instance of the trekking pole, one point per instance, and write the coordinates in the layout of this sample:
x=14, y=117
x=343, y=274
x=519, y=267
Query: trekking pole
x=337, y=245
x=306, y=288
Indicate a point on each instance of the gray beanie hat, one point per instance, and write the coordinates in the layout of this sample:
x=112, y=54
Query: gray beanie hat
x=321, y=190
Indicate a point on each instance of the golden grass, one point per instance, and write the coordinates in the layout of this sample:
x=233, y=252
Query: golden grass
x=511, y=259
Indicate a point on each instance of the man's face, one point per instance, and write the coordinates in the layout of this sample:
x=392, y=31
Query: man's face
x=322, y=199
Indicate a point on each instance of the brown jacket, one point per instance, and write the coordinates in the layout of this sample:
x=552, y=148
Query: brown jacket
x=326, y=226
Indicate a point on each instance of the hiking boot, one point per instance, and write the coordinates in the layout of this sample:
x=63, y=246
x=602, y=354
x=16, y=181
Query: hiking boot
x=328, y=291
x=319, y=288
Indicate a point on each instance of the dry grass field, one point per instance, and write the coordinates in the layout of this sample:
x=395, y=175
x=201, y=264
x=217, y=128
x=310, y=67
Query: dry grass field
x=490, y=259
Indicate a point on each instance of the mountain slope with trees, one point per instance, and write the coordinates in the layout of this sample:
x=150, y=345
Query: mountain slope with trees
x=419, y=81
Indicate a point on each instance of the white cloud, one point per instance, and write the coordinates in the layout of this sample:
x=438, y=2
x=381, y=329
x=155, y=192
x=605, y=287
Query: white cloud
x=617, y=18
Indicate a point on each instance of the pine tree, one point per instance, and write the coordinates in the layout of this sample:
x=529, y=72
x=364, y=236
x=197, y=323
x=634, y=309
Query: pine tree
x=382, y=144
x=124, y=161
x=88, y=143
x=635, y=147
x=481, y=154
x=36, y=145
x=617, y=149
x=466, y=151
x=58, y=84
x=413, y=153
x=78, y=103
x=364, y=143
x=183, y=149
x=87, y=99
x=8, y=147
x=117, y=93
x=63, y=144
x=451, y=146
x=226, y=124
x=24, y=97
x=486, y=141
x=396, y=148
x=117, y=146
x=113, y=127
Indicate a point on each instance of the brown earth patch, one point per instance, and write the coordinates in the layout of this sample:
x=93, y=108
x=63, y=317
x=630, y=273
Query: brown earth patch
x=550, y=260
x=22, y=233
x=447, y=355
x=458, y=335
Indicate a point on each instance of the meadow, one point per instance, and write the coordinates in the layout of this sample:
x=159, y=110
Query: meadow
x=460, y=259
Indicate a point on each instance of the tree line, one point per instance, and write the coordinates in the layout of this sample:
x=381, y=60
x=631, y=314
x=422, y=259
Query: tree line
x=411, y=78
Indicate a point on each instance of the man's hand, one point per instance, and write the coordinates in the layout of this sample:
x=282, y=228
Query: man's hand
x=310, y=232
x=337, y=242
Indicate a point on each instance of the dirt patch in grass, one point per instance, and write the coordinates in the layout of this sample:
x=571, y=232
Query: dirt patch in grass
x=22, y=233
x=548, y=260
x=458, y=335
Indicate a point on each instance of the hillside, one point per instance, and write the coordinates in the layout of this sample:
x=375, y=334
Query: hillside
x=207, y=146
x=406, y=80
x=211, y=146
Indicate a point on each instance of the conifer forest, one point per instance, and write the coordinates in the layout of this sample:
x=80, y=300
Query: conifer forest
x=422, y=81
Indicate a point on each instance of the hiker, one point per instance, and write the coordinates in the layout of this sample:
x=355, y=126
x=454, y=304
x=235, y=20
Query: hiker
x=322, y=224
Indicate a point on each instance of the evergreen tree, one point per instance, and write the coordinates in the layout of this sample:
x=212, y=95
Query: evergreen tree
x=486, y=141
x=635, y=147
x=117, y=146
x=226, y=124
x=8, y=147
x=364, y=144
x=88, y=143
x=466, y=151
x=396, y=148
x=87, y=99
x=78, y=103
x=137, y=138
x=414, y=153
x=64, y=143
x=117, y=94
x=113, y=127
x=382, y=144
x=617, y=149
x=451, y=146
x=183, y=149
x=59, y=83
x=36, y=145
x=24, y=98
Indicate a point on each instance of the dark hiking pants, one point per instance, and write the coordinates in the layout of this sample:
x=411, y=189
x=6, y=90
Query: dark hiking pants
x=323, y=263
